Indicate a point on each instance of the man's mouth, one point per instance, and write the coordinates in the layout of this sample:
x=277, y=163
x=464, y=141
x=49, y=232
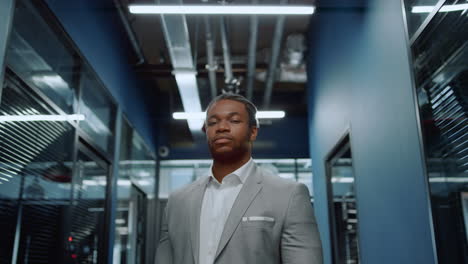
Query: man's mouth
x=222, y=140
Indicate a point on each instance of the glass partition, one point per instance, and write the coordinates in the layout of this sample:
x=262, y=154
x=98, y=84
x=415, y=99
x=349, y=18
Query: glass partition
x=135, y=186
x=174, y=174
x=37, y=54
x=36, y=163
x=342, y=204
x=418, y=11
x=52, y=197
x=440, y=67
x=122, y=247
x=142, y=166
x=87, y=236
x=99, y=111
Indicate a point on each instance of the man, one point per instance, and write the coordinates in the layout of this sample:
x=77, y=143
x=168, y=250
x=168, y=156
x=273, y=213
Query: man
x=239, y=214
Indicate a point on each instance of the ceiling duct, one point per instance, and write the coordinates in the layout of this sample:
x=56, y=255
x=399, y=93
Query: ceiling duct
x=178, y=43
x=275, y=51
x=211, y=63
x=293, y=68
x=231, y=83
x=252, y=54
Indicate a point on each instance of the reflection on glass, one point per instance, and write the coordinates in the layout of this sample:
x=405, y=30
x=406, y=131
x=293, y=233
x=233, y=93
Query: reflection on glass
x=135, y=185
x=122, y=247
x=86, y=239
x=142, y=166
x=342, y=205
x=99, y=111
x=440, y=60
x=35, y=179
x=174, y=174
x=43, y=59
x=415, y=18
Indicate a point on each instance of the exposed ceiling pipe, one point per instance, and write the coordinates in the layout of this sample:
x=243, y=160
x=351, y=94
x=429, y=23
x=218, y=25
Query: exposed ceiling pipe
x=178, y=43
x=275, y=51
x=229, y=78
x=211, y=65
x=252, y=54
x=131, y=34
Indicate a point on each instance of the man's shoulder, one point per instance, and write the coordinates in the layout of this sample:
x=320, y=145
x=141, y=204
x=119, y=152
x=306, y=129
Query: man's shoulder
x=187, y=189
x=273, y=180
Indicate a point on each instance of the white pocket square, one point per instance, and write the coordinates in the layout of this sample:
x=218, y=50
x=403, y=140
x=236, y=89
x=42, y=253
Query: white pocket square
x=257, y=218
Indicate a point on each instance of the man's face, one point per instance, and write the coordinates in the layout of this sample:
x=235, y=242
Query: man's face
x=227, y=130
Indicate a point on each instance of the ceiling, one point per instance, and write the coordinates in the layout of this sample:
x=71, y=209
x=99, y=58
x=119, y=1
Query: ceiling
x=155, y=66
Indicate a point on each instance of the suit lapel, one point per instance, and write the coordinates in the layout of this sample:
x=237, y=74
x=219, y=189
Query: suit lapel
x=247, y=194
x=195, y=210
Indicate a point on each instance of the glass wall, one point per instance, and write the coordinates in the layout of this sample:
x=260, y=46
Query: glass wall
x=121, y=244
x=36, y=161
x=342, y=204
x=174, y=174
x=56, y=149
x=136, y=186
x=43, y=60
x=440, y=64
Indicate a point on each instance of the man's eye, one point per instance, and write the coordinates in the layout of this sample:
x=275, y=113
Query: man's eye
x=211, y=123
x=235, y=121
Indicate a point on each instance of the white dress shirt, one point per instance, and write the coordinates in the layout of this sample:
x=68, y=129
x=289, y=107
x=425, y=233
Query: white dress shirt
x=216, y=205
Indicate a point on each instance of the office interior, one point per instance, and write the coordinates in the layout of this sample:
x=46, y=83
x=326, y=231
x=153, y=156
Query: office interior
x=375, y=95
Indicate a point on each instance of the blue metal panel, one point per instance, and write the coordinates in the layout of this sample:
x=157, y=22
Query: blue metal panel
x=360, y=78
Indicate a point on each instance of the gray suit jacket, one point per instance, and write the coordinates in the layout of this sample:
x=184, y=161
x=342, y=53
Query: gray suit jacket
x=271, y=221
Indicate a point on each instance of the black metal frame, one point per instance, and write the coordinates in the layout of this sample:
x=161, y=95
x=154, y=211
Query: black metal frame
x=425, y=23
x=104, y=244
x=82, y=142
x=6, y=20
x=343, y=145
x=410, y=42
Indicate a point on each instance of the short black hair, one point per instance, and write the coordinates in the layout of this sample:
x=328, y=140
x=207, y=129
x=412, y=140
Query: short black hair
x=249, y=106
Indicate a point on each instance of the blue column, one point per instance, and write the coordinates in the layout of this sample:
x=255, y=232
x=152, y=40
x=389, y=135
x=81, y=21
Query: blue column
x=359, y=77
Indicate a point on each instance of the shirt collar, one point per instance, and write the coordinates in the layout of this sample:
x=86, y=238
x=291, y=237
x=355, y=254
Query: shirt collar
x=242, y=173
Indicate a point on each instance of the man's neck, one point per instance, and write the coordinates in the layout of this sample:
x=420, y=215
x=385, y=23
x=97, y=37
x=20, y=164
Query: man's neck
x=223, y=168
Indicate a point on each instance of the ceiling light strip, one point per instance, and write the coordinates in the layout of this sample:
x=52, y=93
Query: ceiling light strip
x=221, y=10
x=28, y=118
x=202, y=115
x=445, y=8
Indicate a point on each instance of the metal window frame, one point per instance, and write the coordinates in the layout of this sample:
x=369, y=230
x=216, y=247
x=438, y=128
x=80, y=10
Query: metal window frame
x=7, y=8
x=409, y=43
x=339, y=148
x=425, y=23
x=82, y=141
x=105, y=245
x=15, y=80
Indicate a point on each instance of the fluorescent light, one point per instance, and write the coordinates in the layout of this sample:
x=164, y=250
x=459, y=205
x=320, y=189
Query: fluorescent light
x=202, y=115
x=221, y=9
x=188, y=116
x=449, y=179
x=270, y=114
x=342, y=180
x=187, y=82
x=445, y=8
x=27, y=118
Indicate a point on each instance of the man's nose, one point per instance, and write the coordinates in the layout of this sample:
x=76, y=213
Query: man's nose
x=223, y=126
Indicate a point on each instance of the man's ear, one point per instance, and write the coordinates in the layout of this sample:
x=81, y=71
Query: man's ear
x=203, y=128
x=253, y=133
